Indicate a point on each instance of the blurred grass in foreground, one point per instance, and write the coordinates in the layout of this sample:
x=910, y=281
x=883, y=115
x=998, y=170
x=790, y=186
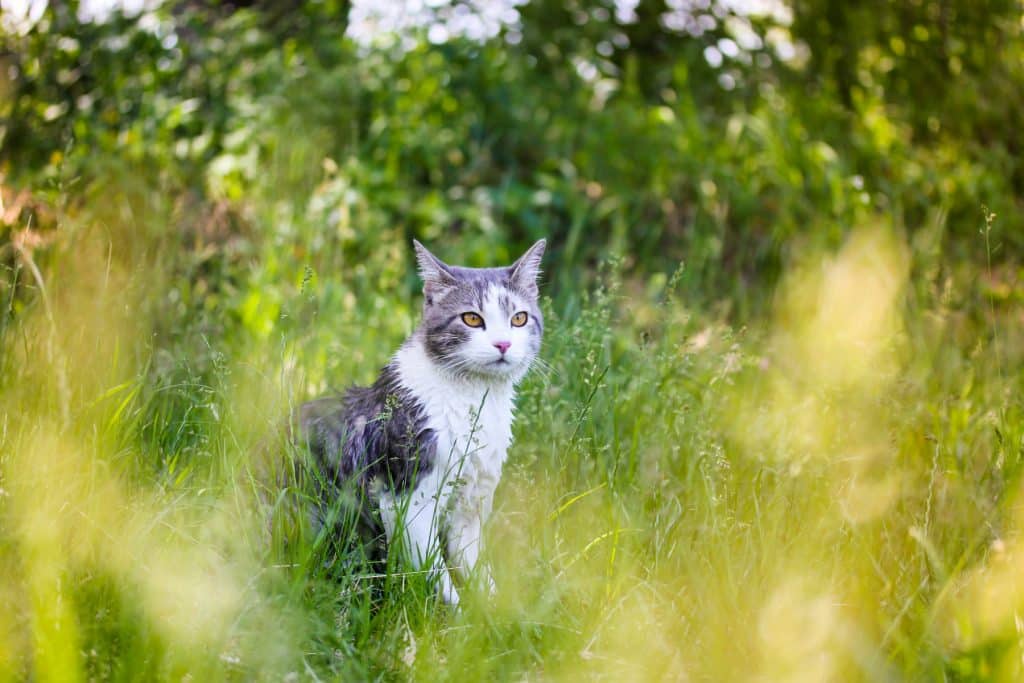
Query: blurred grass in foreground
x=828, y=493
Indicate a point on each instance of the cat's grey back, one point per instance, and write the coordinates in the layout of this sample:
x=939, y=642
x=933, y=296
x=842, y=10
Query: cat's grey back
x=368, y=434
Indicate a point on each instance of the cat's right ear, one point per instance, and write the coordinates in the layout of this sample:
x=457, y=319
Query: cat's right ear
x=436, y=275
x=525, y=271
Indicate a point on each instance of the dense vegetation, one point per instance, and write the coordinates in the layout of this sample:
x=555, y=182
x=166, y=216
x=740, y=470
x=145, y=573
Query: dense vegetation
x=778, y=434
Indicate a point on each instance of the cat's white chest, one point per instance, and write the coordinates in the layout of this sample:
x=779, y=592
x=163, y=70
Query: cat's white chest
x=472, y=435
x=472, y=423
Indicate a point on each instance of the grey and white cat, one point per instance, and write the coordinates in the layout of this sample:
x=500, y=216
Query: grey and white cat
x=427, y=441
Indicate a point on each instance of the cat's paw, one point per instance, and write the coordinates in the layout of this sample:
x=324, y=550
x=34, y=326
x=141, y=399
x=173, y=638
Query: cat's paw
x=449, y=595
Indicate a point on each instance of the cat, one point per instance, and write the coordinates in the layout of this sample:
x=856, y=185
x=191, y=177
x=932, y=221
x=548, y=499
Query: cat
x=426, y=442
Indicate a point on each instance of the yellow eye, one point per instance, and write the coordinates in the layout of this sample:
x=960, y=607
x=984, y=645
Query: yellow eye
x=472, y=319
x=519, y=319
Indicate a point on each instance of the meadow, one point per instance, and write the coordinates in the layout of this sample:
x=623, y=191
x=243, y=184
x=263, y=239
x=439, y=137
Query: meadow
x=778, y=433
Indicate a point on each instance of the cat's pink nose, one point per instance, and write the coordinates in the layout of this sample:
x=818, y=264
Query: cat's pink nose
x=502, y=346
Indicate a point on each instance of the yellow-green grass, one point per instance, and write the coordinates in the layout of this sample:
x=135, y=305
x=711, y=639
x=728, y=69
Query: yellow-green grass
x=827, y=492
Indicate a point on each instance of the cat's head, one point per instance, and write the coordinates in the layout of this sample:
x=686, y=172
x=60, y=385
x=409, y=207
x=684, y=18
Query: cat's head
x=482, y=322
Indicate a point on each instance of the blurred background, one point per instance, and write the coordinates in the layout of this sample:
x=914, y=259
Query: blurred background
x=778, y=433
x=723, y=134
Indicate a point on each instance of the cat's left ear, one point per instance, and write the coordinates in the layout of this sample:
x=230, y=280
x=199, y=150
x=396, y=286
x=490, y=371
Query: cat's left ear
x=525, y=271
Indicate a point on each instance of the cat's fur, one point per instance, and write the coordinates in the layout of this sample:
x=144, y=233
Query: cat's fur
x=427, y=441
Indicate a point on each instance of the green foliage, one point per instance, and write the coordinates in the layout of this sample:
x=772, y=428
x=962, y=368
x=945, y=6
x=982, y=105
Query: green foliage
x=548, y=136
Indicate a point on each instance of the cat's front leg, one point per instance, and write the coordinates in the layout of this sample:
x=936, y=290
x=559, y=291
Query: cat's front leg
x=465, y=527
x=465, y=539
x=418, y=519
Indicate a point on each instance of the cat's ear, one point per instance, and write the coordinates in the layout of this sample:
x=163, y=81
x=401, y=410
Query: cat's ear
x=525, y=271
x=436, y=275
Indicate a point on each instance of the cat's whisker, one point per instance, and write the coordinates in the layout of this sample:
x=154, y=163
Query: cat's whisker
x=545, y=368
x=543, y=365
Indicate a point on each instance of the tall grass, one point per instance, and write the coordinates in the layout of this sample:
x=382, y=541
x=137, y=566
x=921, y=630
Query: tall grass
x=825, y=493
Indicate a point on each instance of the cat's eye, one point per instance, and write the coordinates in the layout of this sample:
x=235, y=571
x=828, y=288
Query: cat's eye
x=519, y=319
x=472, y=319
